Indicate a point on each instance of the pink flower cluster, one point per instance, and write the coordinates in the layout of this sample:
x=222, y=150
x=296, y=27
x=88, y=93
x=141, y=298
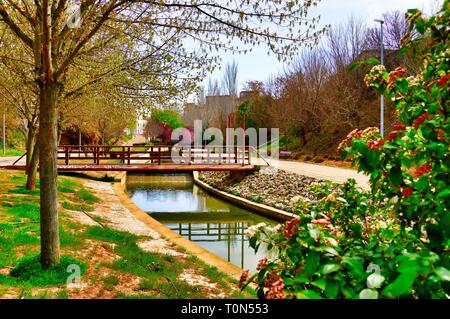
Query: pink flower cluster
x=399, y=127
x=421, y=119
x=321, y=221
x=407, y=192
x=276, y=290
x=376, y=74
x=375, y=144
x=392, y=136
x=443, y=80
x=396, y=74
x=262, y=264
x=291, y=227
x=352, y=135
x=243, y=279
x=422, y=170
x=441, y=135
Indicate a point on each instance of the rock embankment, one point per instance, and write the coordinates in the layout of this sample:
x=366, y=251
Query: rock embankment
x=275, y=188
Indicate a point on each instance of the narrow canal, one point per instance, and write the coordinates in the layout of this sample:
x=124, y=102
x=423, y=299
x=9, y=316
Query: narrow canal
x=216, y=225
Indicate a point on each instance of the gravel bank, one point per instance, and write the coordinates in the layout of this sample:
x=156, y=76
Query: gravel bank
x=275, y=188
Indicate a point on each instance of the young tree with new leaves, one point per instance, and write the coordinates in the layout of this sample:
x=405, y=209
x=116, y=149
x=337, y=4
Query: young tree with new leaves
x=41, y=25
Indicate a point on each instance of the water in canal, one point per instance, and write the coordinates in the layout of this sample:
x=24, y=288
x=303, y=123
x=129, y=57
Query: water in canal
x=210, y=222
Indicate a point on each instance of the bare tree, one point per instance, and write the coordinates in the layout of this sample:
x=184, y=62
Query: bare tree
x=201, y=98
x=345, y=42
x=230, y=84
x=395, y=28
x=214, y=87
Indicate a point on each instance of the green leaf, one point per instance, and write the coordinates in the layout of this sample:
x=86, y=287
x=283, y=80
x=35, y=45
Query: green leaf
x=444, y=193
x=372, y=61
x=329, y=268
x=402, y=285
x=368, y=294
x=332, y=288
x=356, y=266
x=348, y=293
x=314, y=231
x=422, y=183
x=357, y=230
x=403, y=85
x=443, y=273
x=320, y=283
x=312, y=262
x=301, y=278
x=308, y=294
x=330, y=250
x=396, y=176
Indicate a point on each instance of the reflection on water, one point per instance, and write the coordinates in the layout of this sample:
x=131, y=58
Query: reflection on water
x=212, y=223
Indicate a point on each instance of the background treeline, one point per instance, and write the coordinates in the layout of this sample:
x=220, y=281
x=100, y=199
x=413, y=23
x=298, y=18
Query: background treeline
x=320, y=97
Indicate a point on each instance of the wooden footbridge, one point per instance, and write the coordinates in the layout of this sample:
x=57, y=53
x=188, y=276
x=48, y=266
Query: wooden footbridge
x=150, y=158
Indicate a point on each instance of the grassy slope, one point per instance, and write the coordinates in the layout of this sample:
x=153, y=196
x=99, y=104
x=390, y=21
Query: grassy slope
x=114, y=266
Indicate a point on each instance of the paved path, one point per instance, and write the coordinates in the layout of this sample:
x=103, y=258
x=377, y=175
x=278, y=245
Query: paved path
x=9, y=160
x=136, y=139
x=335, y=174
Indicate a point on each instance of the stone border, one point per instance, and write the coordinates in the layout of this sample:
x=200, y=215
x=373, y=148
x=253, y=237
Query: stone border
x=260, y=209
x=168, y=234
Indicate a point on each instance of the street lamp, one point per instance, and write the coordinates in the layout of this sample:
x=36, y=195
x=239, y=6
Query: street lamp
x=381, y=22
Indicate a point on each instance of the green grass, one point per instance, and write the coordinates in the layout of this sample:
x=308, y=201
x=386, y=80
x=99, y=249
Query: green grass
x=24, y=210
x=108, y=234
x=20, y=233
x=159, y=272
x=86, y=197
x=77, y=207
x=29, y=272
x=11, y=152
x=21, y=189
x=83, y=199
x=70, y=183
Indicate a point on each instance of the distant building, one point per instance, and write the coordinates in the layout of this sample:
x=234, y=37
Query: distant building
x=192, y=112
x=248, y=95
x=140, y=125
x=213, y=113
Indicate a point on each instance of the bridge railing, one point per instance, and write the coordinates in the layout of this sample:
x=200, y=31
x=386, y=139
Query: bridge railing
x=157, y=154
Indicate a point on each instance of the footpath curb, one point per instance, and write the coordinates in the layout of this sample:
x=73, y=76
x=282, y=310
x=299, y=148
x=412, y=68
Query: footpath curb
x=261, y=209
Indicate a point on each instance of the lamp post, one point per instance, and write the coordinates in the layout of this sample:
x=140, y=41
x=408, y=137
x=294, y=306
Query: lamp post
x=381, y=22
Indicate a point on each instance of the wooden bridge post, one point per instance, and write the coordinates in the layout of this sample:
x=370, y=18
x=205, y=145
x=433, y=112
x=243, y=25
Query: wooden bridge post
x=66, y=148
x=129, y=155
x=97, y=155
x=151, y=154
x=159, y=155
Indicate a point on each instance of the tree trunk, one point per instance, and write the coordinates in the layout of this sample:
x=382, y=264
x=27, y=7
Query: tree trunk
x=303, y=136
x=32, y=169
x=48, y=139
x=31, y=142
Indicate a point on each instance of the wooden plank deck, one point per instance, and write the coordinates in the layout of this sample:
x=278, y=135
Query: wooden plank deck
x=144, y=167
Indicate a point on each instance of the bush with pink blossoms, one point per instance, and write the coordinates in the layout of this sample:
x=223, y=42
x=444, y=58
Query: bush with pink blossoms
x=392, y=241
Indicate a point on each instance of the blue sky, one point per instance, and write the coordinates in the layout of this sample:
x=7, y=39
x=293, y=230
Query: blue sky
x=257, y=65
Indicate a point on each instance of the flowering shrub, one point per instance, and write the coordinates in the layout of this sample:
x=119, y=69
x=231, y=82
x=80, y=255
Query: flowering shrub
x=393, y=241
